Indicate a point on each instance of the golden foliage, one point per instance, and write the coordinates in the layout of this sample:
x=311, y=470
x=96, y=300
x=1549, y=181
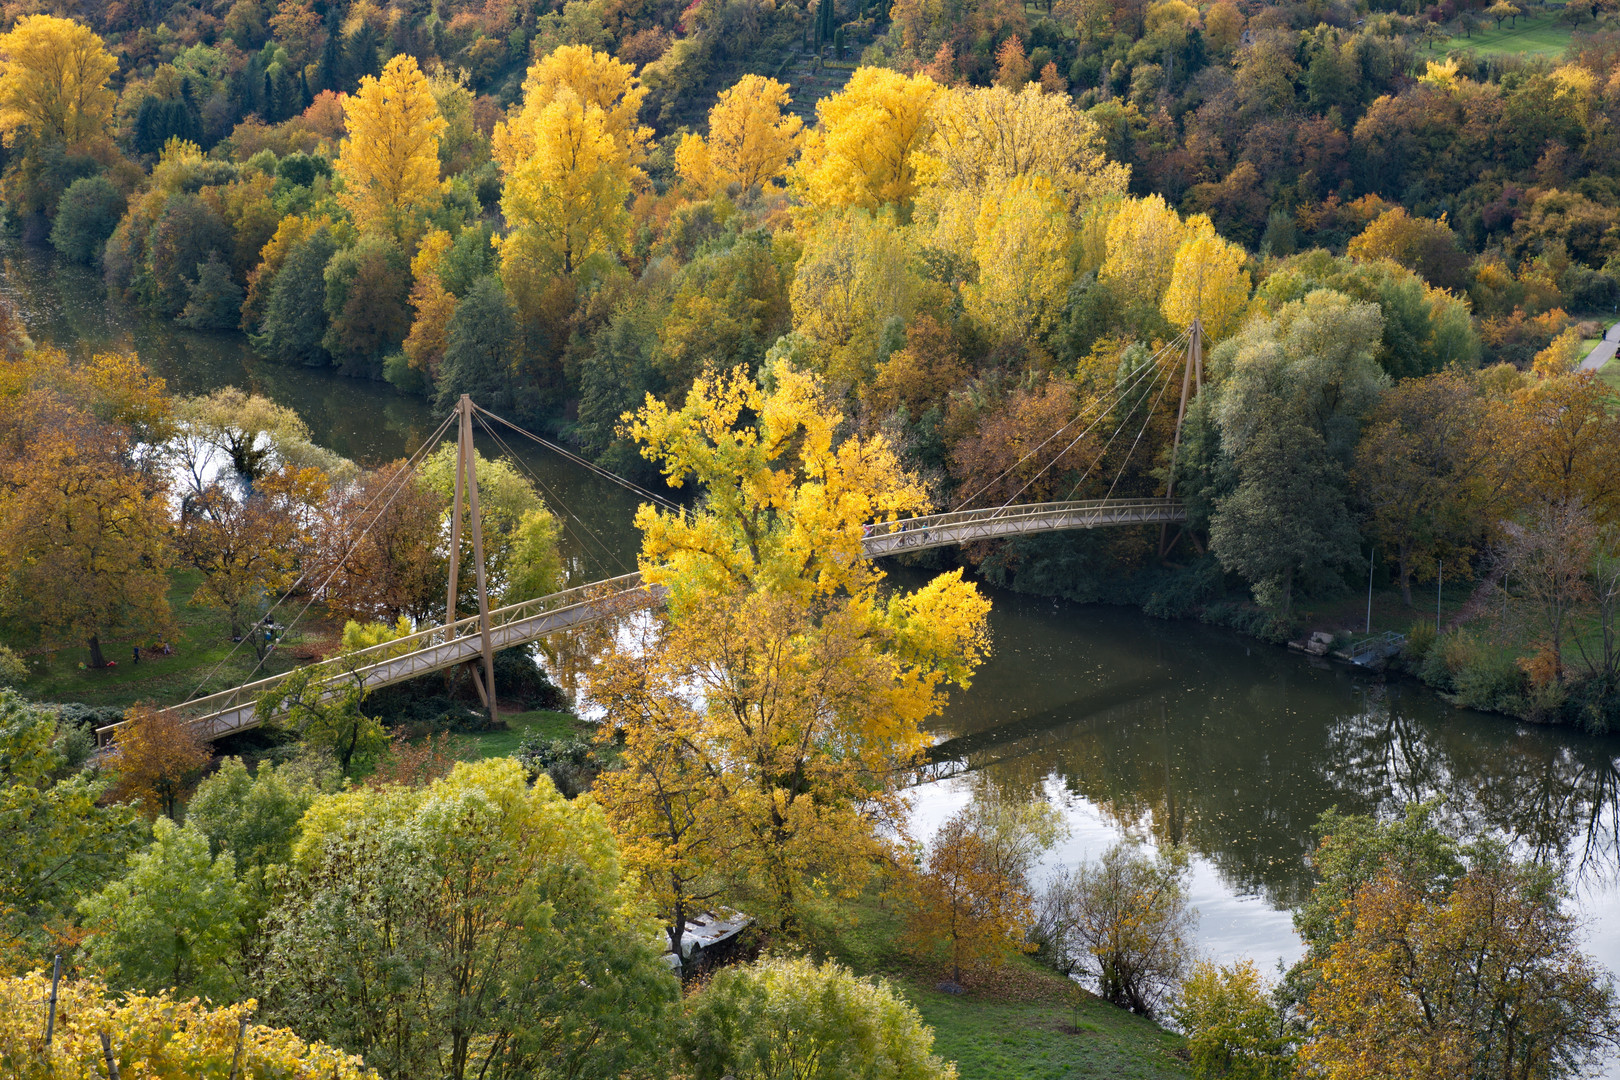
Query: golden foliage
x=778, y=648
x=861, y=153
x=390, y=160
x=750, y=139
x=158, y=756
x=570, y=158
x=53, y=81
x=1143, y=238
x=597, y=81
x=153, y=1037
x=984, y=138
x=1208, y=283
x=1021, y=245
x=851, y=279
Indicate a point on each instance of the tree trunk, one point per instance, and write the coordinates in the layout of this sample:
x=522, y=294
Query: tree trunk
x=96, y=659
x=1406, y=580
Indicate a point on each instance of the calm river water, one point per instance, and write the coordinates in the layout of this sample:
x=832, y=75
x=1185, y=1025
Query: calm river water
x=1160, y=731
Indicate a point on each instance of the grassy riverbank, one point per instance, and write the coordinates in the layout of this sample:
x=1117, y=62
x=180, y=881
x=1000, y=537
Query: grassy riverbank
x=203, y=658
x=1021, y=1021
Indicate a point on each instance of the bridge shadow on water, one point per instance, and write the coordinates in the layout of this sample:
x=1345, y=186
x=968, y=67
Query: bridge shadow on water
x=1235, y=748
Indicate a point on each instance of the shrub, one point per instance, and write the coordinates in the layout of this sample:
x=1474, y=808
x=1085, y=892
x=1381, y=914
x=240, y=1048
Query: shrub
x=570, y=761
x=13, y=669
x=88, y=213
x=1419, y=640
x=1124, y=922
x=1232, y=1031
x=783, y=1017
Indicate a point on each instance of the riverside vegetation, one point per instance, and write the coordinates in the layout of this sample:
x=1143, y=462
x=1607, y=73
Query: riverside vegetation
x=611, y=223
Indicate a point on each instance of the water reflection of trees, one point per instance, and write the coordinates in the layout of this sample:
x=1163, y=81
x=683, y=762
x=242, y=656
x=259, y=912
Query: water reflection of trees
x=1242, y=778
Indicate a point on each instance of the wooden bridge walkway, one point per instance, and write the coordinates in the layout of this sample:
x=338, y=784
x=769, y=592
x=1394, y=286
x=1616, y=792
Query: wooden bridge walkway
x=442, y=647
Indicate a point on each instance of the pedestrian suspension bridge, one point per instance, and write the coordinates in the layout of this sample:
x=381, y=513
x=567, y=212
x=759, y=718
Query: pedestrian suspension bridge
x=473, y=640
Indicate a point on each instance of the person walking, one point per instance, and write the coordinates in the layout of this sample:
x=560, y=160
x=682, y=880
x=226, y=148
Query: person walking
x=135, y=654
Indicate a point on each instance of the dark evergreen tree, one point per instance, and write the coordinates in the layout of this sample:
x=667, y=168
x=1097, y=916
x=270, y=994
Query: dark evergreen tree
x=482, y=353
x=216, y=299
x=295, y=317
x=367, y=305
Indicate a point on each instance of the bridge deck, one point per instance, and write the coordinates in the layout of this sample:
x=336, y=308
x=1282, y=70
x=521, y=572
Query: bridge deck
x=445, y=646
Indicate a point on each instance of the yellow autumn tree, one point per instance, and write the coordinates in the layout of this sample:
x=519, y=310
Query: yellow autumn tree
x=861, y=152
x=750, y=142
x=151, y=1036
x=805, y=684
x=851, y=279
x=390, y=160
x=1208, y=283
x=988, y=136
x=597, y=81
x=1021, y=247
x=53, y=81
x=1143, y=237
x=565, y=200
x=435, y=305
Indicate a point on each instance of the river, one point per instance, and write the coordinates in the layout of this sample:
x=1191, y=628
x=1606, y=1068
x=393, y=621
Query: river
x=1133, y=726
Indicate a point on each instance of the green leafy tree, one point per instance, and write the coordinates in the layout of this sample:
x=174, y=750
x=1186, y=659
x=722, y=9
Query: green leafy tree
x=60, y=842
x=792, y=1017
x=294, y=323
x=478, y=927
x=1233, y=1032
x=214, y=299
x=483, y=351
x=326, y=715
x=520, y=532
x=87, y=214
x=172, y=922
x=1288, y=519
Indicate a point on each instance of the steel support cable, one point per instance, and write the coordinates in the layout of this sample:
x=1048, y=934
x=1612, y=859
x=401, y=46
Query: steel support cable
x=568, y=514
x=1116, y=392
x=397, y=481
x=1169, y=373
x=1146, y=420
x=584, y=463
x=1131, y=383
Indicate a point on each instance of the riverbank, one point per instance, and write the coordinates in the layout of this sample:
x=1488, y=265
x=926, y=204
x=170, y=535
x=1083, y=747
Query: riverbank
x=1019, y=1021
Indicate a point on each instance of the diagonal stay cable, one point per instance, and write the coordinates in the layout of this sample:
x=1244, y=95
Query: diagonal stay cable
x=1131, y=383
x=568, y=514
x=1117, y=392
x=397, y=481
x=1146, y=420
x=583, y=463
x=1168, y=373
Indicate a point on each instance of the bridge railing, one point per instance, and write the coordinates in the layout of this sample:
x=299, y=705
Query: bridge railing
x=1012, y=516
x=373, y=655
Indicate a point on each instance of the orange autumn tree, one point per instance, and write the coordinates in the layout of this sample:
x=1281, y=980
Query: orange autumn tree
x=973, y=892
x=84, y=514
x=158, y=757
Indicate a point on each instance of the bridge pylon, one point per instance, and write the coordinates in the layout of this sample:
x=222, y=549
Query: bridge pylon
x=467, y=485
x=1192, y=379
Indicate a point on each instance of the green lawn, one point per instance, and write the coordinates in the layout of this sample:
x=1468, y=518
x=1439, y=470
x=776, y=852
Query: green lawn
x=1021, y=1021
x=1610, y=373
x=1544, y=34
x=202, y=641
x=543, y=722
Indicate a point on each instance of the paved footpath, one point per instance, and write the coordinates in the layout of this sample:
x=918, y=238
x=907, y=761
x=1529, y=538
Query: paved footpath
x=1603, y=352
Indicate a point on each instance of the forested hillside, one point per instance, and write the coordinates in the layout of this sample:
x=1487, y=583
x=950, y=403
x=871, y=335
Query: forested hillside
x=975, y=223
